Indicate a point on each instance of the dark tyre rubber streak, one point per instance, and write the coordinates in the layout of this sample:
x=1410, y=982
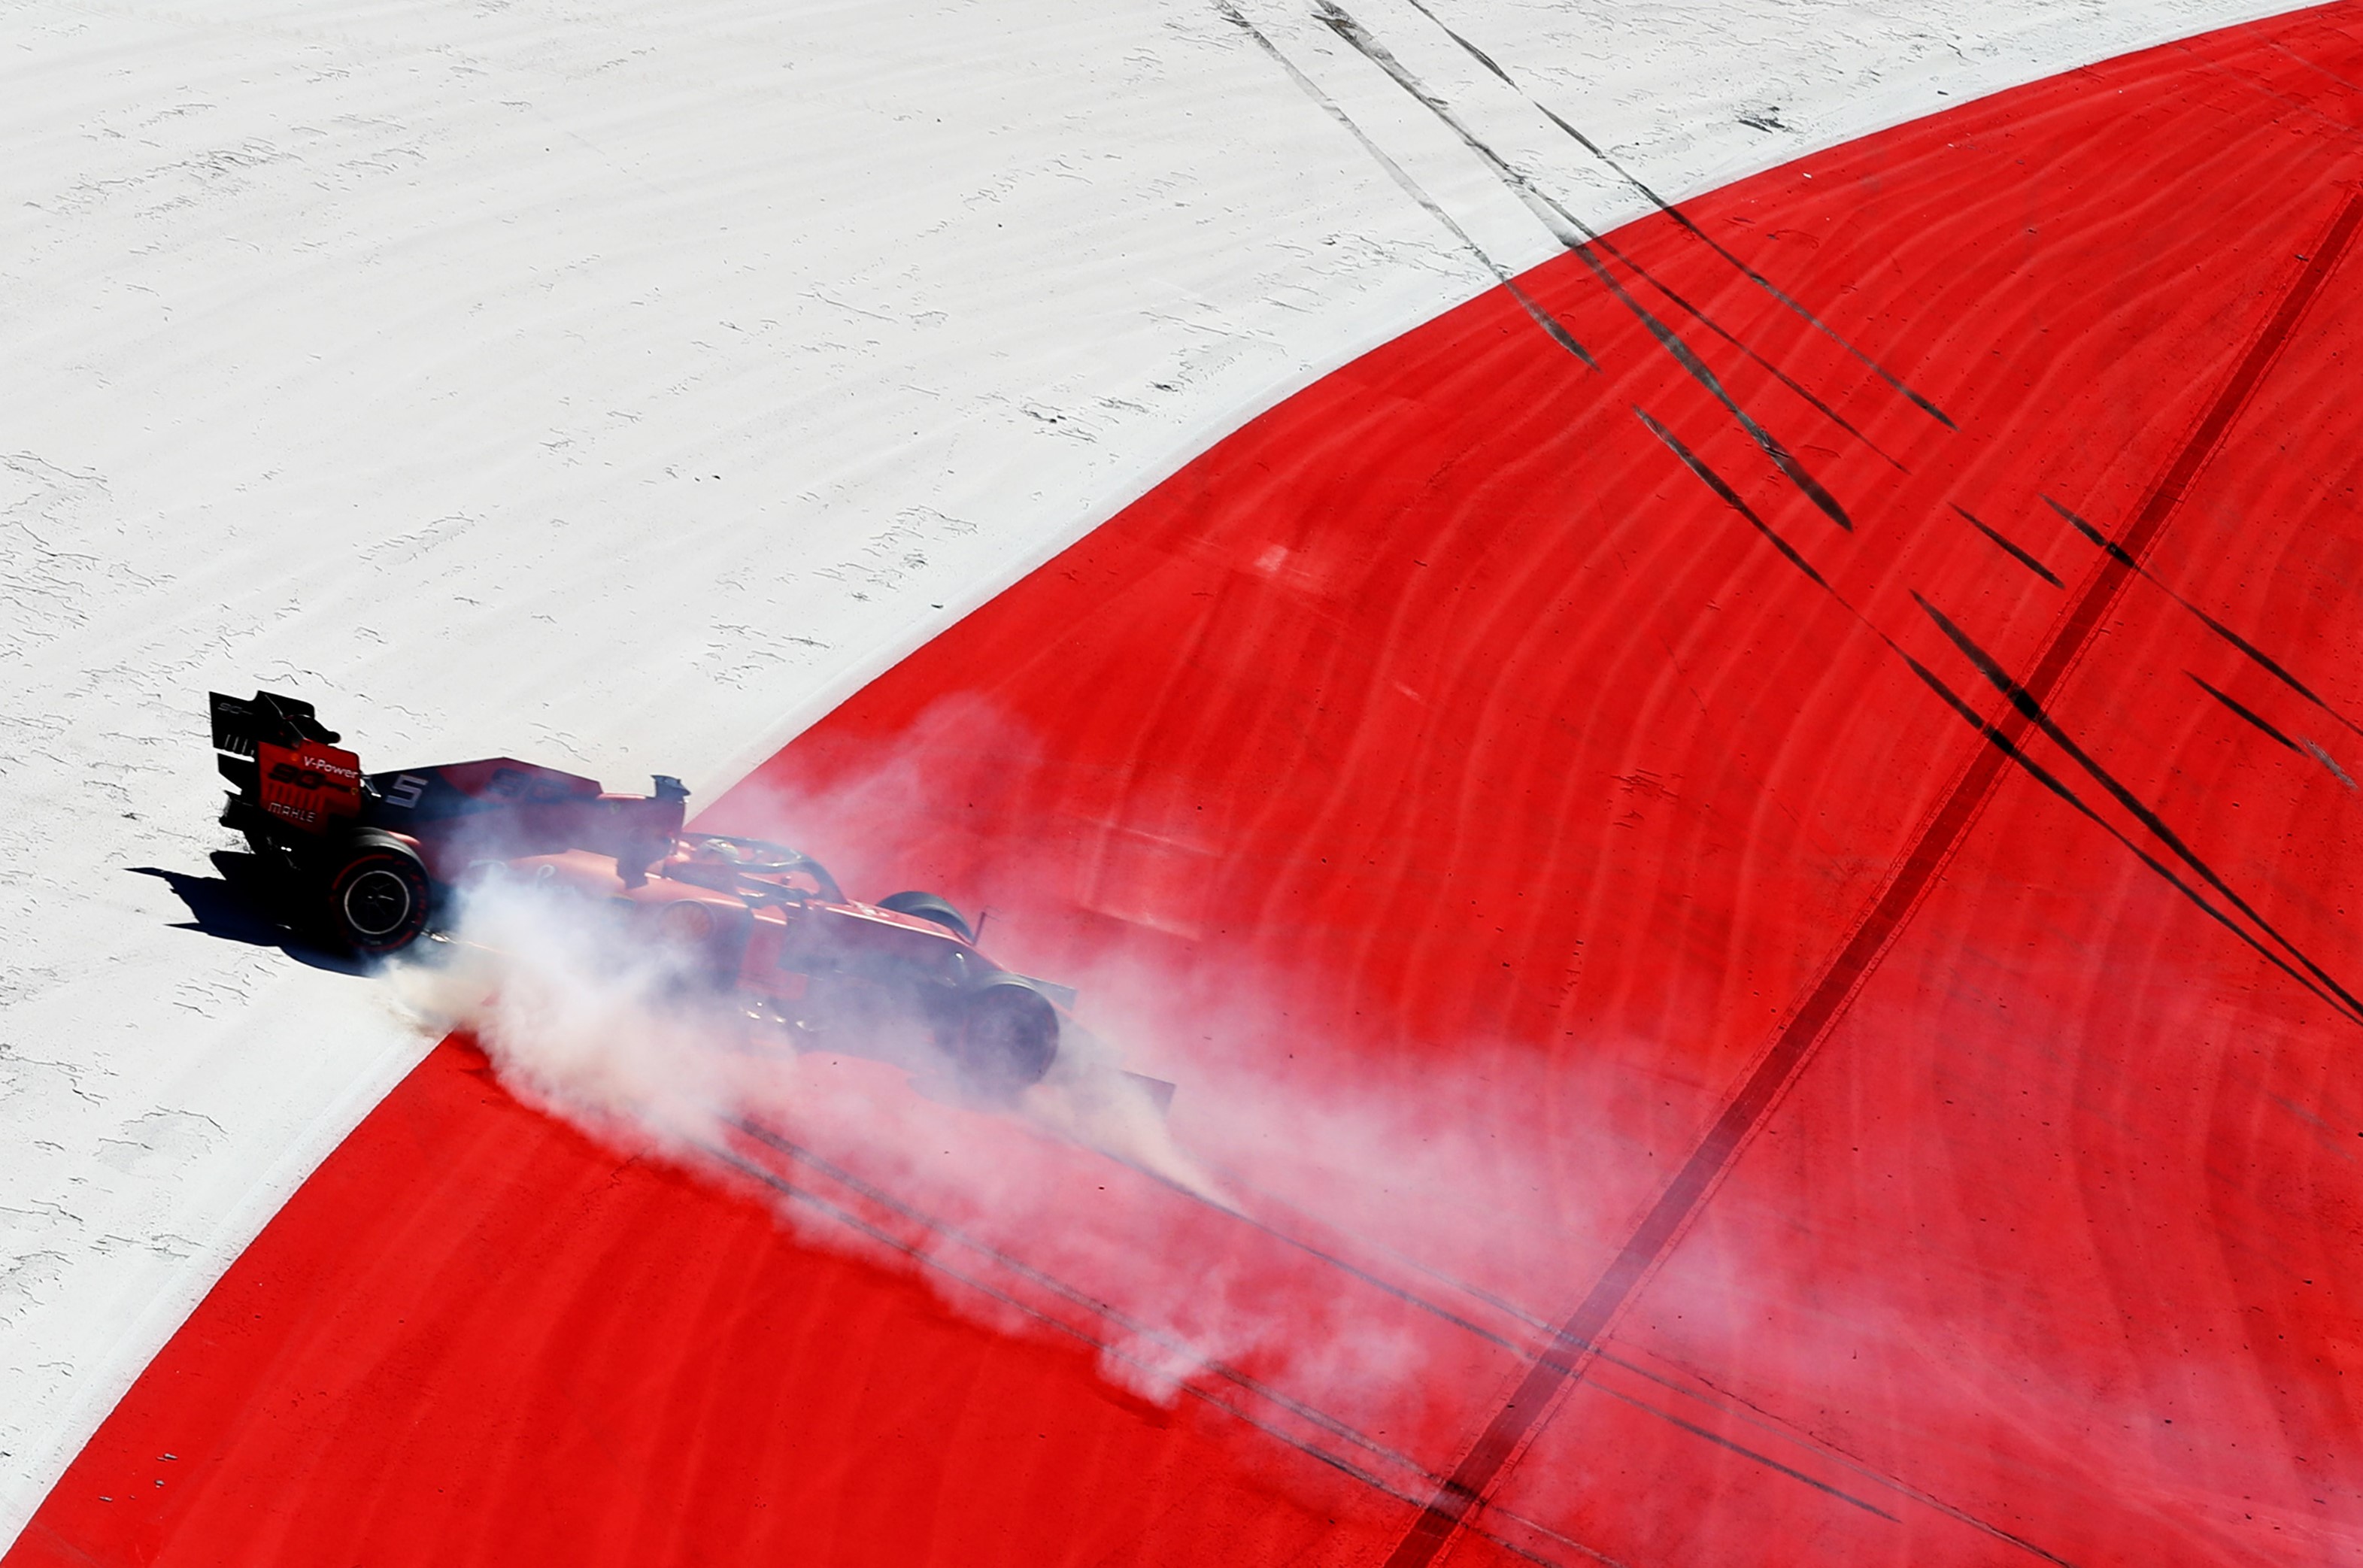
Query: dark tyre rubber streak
x=1586, y=1326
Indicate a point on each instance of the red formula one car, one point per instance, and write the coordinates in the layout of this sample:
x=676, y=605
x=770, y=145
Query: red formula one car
x=372, y=857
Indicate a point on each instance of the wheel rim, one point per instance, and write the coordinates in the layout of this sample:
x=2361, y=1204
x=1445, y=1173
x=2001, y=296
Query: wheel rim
x=377, y=903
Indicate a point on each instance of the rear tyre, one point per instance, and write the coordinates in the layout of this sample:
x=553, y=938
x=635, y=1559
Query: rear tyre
x=929, y=906
x=1007, y=1038
x=377, y=899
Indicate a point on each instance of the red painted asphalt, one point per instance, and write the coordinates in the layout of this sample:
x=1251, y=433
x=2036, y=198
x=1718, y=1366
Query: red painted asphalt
x=1481, y=725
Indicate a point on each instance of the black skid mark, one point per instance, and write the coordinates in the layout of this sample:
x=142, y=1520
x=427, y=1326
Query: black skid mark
x=2263, y=661
x=2025, y=702
x=1551, y=325
x=2020, y=556
x=2246, y=713
x=1683, y=220
x=1517, y=1419
x=1765, y=1460
x=1730, y=498
x=1608, y=247
x=1995, y=736
x=1578, y=236
x=2321, y=985
x=2327, y=761
x=1602, y=1354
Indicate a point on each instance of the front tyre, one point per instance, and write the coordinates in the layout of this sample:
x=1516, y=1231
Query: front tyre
x=1007, y=1038
x=377, y=900
x=932, y=906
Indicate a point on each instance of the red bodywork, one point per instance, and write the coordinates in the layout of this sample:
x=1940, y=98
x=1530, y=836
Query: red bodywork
x=773, y=926
x=459, y=814
x=385, y=851
x=309, y=787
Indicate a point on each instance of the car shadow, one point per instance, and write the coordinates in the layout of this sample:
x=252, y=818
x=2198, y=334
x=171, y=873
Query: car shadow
x=234, y=905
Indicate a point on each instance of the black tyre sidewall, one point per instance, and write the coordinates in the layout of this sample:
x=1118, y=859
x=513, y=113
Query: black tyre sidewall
x=358, y=877
x=1008, y=1036
x=933, y=907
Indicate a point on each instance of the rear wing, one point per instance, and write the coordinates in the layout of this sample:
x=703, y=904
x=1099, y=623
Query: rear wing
x=283, y=762
x=239, y=726
x=289, y=773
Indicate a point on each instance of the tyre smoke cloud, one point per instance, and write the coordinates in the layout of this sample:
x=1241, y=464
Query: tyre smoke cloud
x=1319, y=1242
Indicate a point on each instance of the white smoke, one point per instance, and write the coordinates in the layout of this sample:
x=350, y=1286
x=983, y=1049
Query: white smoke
x=1210, y=1246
